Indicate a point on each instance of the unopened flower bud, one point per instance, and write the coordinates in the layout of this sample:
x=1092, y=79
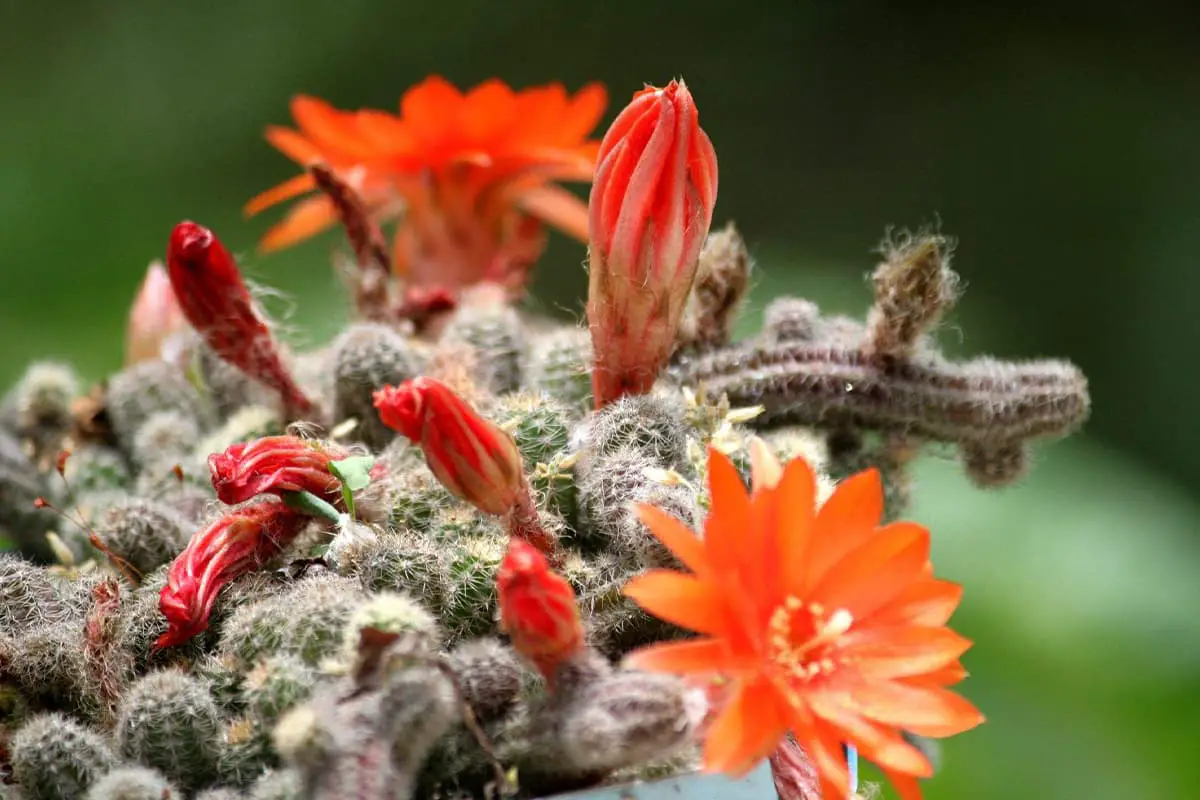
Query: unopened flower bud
x=472, y=457
x=274, y=465
x=650, y=210
x=237, y=543
x=215, y=300
x=538, y=609
x=155, y=319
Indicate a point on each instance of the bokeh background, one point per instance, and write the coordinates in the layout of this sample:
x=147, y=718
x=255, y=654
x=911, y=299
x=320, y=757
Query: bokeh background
x=1061, y=146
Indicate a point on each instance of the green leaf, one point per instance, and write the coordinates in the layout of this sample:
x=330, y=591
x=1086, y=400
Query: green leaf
x=353, y=472
x=309, y=503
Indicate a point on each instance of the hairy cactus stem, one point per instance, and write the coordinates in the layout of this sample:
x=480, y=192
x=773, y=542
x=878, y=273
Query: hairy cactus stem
x=830, y=384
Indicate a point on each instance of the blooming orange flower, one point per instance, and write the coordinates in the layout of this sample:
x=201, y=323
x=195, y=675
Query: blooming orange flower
x=472, y=173
x=828, y=625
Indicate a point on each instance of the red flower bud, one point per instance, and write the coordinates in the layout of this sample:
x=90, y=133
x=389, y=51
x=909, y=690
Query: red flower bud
x=537, y=609
x=273, y=465
x=237, y=543
x=155, y=319
x=472, y=457
x=215, y=300
x=650, y=209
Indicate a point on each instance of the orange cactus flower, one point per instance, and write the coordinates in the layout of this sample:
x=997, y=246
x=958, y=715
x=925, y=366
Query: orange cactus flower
x=828, y=625
x=472, y=174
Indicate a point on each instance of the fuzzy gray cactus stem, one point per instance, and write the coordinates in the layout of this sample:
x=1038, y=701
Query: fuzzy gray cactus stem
x=985, y=406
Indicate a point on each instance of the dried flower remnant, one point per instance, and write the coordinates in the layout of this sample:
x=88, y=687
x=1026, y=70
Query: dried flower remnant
x=215, y=300
x=650, y=210
x=830, y=626
x=471, y=456
x=538, y=609
x=276, y=465
x=155, y=319
x=241, y=541
x=472, y=175
x=372, y=282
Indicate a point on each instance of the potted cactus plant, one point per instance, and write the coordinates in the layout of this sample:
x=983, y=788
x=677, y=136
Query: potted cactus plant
x=464, y=551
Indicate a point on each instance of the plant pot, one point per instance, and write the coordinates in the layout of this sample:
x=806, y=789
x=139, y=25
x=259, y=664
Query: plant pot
x=757, y=785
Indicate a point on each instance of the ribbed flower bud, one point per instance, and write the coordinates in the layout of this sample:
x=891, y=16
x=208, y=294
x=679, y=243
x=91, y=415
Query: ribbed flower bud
x=650, y=210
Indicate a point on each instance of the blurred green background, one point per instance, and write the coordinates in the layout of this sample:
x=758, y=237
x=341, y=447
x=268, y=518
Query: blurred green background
x=1060, y=144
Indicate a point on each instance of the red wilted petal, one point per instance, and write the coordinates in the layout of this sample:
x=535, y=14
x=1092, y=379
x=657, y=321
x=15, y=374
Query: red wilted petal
x=237, y=543
x=471, y=456
x=538, y=609
x=215, y=300
x=650, y=209
x=274, y=465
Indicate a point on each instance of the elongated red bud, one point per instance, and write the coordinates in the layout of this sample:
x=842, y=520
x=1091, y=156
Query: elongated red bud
x=651, y=207
x=215, y=300
x=538, y=609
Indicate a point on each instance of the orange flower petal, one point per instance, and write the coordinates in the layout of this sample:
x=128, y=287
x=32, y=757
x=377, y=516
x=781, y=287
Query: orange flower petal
x=729, y=514
x=930, y=602
x=683, y=543
x=748, y=728
x=301, y=184
x=797, y=492
x=885, y=653
x=490, y=113
x=432, y=108
x=689, y=657
x=587, y=106
x=845, y=521
x=948, y=675
x=908, y=787
x=876, y=572
x=924, y=710
x=294, y=145
x=680, y=599
x=329, y=128
x=557, y=206
x=306, y=218
x=875, y=742
x=825, y=750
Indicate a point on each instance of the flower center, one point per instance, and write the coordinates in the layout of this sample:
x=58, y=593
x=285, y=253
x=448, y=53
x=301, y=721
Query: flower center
x=799, y=635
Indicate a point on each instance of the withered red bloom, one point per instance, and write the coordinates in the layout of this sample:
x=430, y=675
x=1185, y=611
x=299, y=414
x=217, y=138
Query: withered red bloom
x=215, y=300
x=155, y=319
x=471, y=456
x=237, y=543
x=472, y=174
x=651, y=208
x=538, y=609
x=273, y=465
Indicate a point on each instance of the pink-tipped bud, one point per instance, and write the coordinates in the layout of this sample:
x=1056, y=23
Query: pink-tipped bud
x=237, y=543
x=274, y=465
x=538, y=609
x=215, y=300
x=472, y=457
x=155, y=319
x=650, y=209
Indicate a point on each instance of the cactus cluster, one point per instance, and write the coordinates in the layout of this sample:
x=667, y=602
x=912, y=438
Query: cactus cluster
x=343, y=635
